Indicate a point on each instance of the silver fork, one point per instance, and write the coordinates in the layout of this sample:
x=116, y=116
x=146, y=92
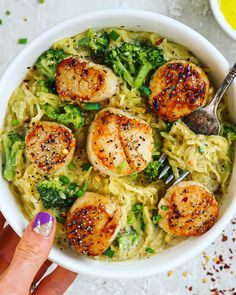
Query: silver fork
x=182, y=175
x=202, y=121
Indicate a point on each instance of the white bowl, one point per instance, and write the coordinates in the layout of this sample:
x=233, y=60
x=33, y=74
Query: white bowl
x=135, y=20
x=215, y=7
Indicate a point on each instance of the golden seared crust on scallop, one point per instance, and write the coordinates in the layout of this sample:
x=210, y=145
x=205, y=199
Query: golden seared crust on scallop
x=118, y=143
x=178, y=88
x=92, y=223
x=188, y=209
x=81, y=80
x=50, y=145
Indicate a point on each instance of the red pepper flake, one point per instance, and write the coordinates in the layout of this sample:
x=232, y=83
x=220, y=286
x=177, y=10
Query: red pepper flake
x=215, y=291
x=220, y=258
x=224, y=238
x=226, y=266
x=190, y=288
x=158, y=42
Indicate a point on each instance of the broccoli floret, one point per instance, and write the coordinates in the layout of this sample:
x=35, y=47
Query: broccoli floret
x=55, y=194
x=72, y=116
x=152, y=171
x=45, y=86
x=128, y=239
x=135, y=218
x=96, y=42
x=13, y=144
x=68, y=115
x=229, y=131
x=48, y=61
x=134, y=62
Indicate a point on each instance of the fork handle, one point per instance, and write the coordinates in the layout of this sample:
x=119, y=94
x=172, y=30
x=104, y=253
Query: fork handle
x=223, y=87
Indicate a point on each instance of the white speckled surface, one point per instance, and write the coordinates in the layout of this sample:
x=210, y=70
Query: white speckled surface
x=212, y=272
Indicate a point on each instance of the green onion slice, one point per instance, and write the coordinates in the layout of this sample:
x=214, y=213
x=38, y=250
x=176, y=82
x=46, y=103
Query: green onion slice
x=109, y=253
x=64, y=179
x=92, y=106
x=150, y=250
x=114, y=35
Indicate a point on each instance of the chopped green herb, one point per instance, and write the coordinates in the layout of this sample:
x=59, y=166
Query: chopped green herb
x=86, y=166
x=72, y=186
x=64, y=179
x=14, y=122
x=82, y=190
x=150, y=250
x=22, y=41
x=137, y=208
x=200, y=149
x=122, y=165
x=145, y=91
x=80, y=193
x=0, y=21
x=109, y=253
x=41, y=1
x=114, y=35
x=165, y=208
x=60, y=219
x=156, y=219
x=92, y=106
x=130, y=219
x=71, y=166
x=7, y=12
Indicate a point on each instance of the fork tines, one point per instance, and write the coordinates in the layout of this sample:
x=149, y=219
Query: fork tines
x=165, y=170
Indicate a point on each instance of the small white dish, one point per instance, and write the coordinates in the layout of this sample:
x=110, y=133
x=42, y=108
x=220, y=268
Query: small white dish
x=215, y=7
x=134, y=20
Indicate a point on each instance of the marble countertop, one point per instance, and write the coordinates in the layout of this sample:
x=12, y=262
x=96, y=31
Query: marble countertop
x=214, y=270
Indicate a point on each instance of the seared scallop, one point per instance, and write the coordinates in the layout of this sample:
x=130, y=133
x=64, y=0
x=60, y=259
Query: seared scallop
x=50, y=146
x=188, y=209
x=92, y=223
x=118, y=143
x=178, y=88
x=81, y=80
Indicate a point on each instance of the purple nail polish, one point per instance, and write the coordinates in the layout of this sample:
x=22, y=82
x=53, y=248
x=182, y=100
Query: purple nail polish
x=43, y=224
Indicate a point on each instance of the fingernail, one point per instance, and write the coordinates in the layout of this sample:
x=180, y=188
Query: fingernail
x=43, y=224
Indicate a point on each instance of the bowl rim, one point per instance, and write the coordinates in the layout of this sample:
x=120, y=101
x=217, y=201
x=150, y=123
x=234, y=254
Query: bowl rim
x=123, y=272
x=221, y=20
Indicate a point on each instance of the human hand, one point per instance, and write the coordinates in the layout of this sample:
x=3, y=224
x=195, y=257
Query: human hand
x=23, y=262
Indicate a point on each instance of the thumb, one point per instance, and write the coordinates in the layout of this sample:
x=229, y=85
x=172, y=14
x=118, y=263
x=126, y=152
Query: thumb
x=30, y=254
